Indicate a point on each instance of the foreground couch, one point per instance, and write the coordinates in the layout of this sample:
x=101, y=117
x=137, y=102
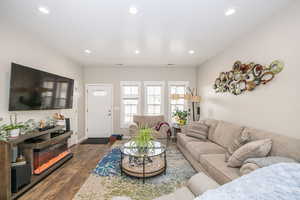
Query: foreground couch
x=209, y=156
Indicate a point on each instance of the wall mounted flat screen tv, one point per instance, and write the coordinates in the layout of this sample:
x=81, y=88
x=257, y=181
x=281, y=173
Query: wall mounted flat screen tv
x=32, y=89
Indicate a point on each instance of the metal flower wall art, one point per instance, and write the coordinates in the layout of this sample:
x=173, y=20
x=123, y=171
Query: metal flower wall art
x=246, y=77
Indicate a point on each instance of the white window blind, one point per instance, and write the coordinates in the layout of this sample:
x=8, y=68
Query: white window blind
x=154, y=97
x=177, y=87
x=130, y=101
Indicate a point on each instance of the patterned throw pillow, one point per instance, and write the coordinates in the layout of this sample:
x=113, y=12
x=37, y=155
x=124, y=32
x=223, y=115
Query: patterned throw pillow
x=255, y=149
x=243, y=138
x=197, y=130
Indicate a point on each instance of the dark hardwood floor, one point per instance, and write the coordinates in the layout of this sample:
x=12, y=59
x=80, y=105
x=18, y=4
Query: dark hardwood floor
x=64, y=183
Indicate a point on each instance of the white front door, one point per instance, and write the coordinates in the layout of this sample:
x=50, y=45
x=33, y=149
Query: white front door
x=99, y=111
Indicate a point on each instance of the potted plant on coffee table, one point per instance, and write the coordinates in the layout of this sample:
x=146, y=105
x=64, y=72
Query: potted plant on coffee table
x=144, y=139
x=142, y=143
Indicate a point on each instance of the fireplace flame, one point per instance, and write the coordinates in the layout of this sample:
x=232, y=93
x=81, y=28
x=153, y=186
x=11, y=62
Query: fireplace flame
x=51, y=162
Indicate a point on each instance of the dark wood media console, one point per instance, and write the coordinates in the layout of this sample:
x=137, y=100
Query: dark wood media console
x=27, y=145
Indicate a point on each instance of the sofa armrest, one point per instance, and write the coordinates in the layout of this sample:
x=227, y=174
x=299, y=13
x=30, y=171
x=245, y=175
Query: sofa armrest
x=200, y=183
x=184, y=129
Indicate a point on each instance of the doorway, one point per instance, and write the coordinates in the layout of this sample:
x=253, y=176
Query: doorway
x=99, y=114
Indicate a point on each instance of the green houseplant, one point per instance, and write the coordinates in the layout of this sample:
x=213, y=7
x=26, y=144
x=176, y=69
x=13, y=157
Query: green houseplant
x=144, y=138
x=3, y=134
x=181, y=116
x=15, y=128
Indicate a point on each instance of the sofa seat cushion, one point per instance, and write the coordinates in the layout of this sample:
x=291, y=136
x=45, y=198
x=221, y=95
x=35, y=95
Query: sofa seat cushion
x=199, y=148
x=179, y=194
x=225, y=133
x=183, y=140
x=216, y=167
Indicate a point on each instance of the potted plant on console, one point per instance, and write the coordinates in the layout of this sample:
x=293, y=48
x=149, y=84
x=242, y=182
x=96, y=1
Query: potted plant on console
x=181, y=116
x=3, y=133
x=15, y=128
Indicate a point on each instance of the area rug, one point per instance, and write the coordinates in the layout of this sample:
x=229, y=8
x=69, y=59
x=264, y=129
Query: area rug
x=110, y=164
x=99, y=187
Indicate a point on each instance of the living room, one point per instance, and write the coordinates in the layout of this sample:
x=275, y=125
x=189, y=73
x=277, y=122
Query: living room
x=151, y=100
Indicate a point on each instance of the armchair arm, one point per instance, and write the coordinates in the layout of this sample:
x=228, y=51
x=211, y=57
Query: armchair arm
x=164, y=131
x=133, y=129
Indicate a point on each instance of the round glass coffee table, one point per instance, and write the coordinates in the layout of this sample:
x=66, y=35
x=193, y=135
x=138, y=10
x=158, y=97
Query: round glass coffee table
x=145, y=163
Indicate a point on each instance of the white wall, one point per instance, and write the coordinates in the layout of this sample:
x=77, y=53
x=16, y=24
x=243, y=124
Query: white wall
x=274, y=106
x=114, y=75
x=17, y=46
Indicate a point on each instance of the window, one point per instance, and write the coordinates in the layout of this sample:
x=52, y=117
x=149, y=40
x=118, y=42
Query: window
x=176, y=87
x=154, y=97
x=130, y=101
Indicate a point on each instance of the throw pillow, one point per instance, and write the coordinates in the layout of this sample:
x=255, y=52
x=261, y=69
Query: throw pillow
x=255, y=149
x=252, y=164
x=242, y=139
x=198, y=130
x=248, y=168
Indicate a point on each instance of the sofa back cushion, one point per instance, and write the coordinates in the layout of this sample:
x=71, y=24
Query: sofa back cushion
x=242, y=139
x=212, y=125
x=197, y=133
x=197, y=130
x=147, y=120
x=225, y=133
x=281, y=145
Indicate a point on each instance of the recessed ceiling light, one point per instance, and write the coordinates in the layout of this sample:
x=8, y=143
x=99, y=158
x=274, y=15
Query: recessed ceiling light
x=137, y=52
x=119, y=64
x=87, y=51
x=44, y=10
x=133, y=10
x=191, y=51
x=229, y=11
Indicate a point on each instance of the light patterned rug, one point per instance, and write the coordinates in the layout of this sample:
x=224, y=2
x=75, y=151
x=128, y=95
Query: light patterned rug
x=105, y=188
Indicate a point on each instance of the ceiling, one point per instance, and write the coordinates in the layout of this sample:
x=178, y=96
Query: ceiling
x=163, y=30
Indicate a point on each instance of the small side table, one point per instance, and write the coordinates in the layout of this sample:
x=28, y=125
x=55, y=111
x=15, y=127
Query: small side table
x=176, y=129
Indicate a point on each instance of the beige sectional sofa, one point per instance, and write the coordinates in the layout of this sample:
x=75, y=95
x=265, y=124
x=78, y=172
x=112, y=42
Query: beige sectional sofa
x=209, y=156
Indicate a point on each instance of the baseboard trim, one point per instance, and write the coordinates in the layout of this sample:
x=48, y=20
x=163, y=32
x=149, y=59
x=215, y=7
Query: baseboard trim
x=81, y=140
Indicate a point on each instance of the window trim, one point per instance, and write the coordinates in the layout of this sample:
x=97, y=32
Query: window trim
x=154, y=83
x=122, y=97
x=175, y=83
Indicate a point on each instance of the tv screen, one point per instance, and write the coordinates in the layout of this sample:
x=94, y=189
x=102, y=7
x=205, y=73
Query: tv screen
x=32, y=89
